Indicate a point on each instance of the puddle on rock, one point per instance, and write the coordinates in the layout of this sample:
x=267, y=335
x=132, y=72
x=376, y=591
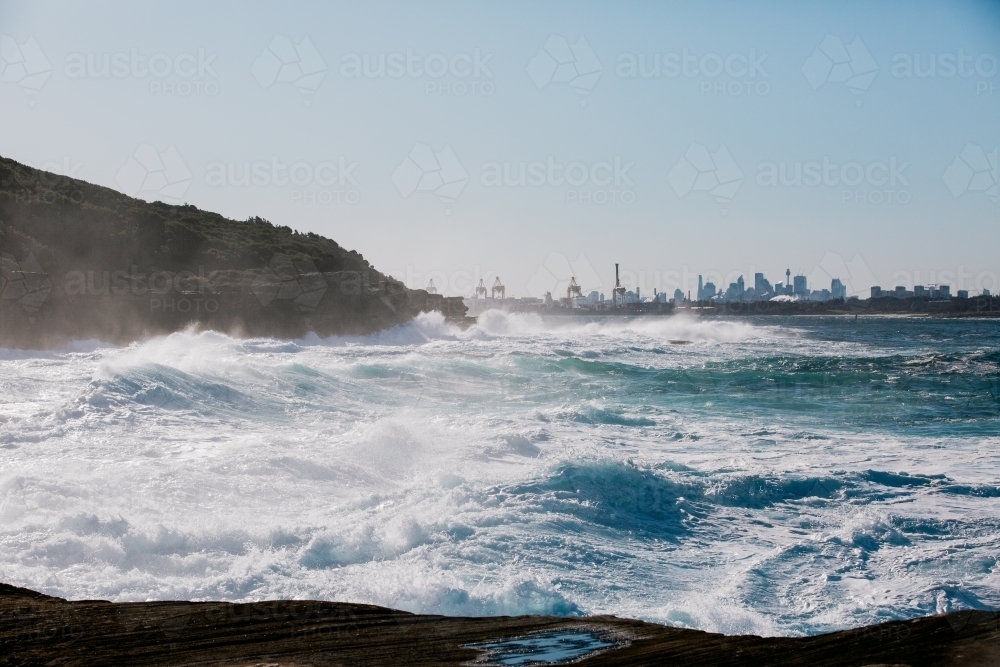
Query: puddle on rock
x=554, y=647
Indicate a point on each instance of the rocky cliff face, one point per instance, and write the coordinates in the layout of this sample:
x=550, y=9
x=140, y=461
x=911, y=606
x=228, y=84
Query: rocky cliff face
x=80, y=261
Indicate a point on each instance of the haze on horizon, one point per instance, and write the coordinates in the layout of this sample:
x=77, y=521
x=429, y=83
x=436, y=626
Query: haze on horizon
x=465, y=141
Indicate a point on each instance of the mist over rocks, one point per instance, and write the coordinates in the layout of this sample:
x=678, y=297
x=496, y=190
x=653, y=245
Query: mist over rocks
x=80, y=261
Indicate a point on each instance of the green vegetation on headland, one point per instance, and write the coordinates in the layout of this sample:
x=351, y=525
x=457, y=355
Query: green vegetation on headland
x=80, y=261
x=36, y=629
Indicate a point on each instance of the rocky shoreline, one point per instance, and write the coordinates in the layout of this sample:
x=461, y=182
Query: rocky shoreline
x=36, y=629
x=79, y=261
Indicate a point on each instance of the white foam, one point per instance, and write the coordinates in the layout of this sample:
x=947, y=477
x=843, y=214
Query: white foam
x=423, y=468
x=679, y=327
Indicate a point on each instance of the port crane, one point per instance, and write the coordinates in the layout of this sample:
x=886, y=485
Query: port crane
x=574, y=290
x=481, y=290
x=498, y=287
x=431, y=289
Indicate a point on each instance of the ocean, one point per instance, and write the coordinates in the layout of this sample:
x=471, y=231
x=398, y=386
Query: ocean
x=769, y=476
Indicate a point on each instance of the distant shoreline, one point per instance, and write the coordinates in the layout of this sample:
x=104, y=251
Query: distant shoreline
x=684, y=312
x=985, y=307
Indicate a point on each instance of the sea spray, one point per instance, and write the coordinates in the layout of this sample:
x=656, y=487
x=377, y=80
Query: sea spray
x=770, y=476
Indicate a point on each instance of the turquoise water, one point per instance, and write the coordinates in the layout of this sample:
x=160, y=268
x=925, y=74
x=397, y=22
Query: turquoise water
x=775, y=476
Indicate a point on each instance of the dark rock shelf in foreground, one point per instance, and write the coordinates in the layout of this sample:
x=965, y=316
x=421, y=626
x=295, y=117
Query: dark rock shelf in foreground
x=36, y=629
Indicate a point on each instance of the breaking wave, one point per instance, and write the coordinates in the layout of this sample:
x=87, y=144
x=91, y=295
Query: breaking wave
x=765, y=476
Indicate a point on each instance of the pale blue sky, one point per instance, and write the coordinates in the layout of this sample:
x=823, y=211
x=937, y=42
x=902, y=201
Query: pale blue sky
x=937, y=222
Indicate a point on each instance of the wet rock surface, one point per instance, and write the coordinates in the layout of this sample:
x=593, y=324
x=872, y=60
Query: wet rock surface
x=36, y=629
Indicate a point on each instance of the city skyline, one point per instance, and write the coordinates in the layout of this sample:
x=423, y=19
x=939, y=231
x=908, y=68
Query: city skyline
x=854, y=276
x=795, y=287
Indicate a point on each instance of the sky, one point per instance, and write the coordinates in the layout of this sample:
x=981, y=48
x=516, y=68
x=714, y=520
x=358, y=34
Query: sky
x=459, y=141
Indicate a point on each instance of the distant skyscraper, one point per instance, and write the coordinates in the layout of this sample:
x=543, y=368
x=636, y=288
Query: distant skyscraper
x=700, y=290
x=800, y=286
x=762, y=286
x=837, y=289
